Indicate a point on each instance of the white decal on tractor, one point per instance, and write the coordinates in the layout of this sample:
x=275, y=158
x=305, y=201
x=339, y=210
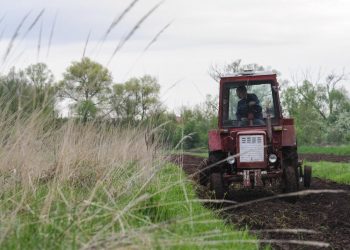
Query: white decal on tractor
x=251, y=148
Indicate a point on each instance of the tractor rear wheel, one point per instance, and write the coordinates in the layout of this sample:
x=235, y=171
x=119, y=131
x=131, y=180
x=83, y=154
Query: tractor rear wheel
x=291, y=179
x=290, y=170
x=217, y=185
x=307, y=176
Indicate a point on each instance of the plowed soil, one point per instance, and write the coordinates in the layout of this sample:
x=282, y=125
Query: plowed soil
x=321, y=157
x=328, y=215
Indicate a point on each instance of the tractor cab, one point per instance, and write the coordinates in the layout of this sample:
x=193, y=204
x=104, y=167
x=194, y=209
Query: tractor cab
x=248, y=100
x=254, y=145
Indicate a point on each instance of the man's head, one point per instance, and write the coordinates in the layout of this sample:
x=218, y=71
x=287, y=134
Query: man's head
x=241, y=92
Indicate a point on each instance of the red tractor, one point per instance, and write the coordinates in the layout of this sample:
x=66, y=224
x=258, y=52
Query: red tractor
x=255, y=145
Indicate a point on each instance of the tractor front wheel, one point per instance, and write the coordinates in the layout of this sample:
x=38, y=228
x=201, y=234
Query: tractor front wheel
x=217, y=185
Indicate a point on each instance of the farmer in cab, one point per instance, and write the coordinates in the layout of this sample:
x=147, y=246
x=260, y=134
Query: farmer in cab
x=248, y=103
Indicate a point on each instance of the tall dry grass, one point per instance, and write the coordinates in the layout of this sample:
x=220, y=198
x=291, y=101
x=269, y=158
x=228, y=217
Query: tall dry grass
x=75, y=186
x=43, y=166
x=33, y=150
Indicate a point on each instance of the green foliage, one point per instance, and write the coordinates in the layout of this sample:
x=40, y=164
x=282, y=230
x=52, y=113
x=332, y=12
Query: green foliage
x=135, y=100
x=334, y=150
x=196, y=122
x=187, y=130
x=29, y=90
x=321, y=111
x=167, y=127
x=338, y=172
x=86, y=109
x=85, y=83
x=39, y=75
x=200, y=152
x=339, y=131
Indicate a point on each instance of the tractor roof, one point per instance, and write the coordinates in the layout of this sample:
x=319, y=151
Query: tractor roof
x=249, y=73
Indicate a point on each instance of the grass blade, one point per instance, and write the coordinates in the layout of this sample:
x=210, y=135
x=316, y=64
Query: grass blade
x=86, y=43
x=14, y=37
x=31, y=26
x=154, y=39
x=39, y=42
x=33, y=23
x=157, y=36
x=51, y=35
x=2, y=18
x=117, y=20
x=134, y=29
x=2, y=33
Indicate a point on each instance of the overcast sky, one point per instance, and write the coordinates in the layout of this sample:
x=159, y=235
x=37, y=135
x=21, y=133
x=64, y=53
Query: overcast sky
x=290, y=36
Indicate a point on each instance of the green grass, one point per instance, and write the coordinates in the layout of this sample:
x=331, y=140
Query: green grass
x=335, y=150
x=194, y=220
x=200, y=152
x=338, y=172
x=165, y=215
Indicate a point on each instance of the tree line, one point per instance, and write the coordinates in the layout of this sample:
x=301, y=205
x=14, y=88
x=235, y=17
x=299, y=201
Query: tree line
x=321, y=108
x=92, y=96
x=86, y=85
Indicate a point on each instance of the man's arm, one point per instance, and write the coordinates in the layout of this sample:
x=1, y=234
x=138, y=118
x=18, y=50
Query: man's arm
x=256, y=103
x=253, y=100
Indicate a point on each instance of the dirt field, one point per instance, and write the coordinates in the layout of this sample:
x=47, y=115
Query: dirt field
x=322, y=157
x=327, y=214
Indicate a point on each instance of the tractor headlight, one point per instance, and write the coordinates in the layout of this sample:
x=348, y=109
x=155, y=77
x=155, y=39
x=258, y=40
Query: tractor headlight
x=231, y=159
x=272, y=158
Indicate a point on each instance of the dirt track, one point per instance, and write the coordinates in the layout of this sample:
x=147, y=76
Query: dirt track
x=327, y=214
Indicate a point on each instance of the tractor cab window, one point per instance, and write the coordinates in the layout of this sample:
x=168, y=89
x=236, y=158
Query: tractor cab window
x=245, y=105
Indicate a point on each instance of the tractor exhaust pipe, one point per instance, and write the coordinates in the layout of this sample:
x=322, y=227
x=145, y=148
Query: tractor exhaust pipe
x=269, y=127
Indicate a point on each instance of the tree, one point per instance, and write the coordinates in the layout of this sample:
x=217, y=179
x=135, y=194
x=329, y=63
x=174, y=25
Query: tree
x=25, y=91
x=136, y=99
x=86, y=83
x=318, y=108
x=39, y=75
x=196, y=122
x=149, y=95
x=86, y=109
x=41, y=79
